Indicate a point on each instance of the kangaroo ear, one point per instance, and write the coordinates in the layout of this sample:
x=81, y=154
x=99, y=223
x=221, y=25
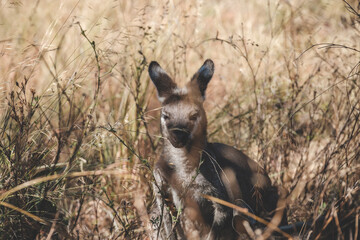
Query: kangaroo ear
x=204, y=75
x=163, y=83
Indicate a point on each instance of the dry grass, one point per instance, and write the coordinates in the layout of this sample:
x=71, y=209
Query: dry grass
x=75, y=97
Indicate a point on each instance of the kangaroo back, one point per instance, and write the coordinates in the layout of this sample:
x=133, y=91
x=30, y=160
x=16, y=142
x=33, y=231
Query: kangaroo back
x=189, y=167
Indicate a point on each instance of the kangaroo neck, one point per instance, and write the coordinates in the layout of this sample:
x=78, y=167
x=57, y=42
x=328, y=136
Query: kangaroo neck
x=187, y=157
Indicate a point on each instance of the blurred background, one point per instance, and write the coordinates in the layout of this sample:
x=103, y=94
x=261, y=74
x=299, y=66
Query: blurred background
x=79, y=129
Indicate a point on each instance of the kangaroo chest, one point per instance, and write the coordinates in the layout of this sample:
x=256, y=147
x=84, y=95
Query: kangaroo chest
x=184, y=184
x=187, y=187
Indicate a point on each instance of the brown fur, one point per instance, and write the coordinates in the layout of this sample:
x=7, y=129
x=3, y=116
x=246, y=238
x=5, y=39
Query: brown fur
x=189, y=166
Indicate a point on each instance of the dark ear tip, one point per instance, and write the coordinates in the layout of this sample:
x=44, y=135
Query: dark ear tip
x=153, y=64
x=209, y=63
x=207, y=69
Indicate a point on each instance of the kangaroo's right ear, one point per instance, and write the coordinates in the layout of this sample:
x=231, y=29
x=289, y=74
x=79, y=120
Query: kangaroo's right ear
x=163, y=83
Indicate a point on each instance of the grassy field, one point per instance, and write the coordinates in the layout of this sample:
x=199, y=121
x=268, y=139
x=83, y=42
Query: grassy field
x=79, y=129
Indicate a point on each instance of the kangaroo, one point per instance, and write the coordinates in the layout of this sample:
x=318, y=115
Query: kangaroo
x=190, y=166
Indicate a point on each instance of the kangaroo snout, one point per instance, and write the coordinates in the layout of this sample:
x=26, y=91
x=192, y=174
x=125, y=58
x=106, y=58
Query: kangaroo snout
x=179, y=137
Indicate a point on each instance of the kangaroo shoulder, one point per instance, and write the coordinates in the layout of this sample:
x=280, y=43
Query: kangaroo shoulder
x=230, y=155
x=164, y=169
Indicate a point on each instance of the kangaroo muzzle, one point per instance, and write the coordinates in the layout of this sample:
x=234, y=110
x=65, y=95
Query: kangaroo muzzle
x=179, y=137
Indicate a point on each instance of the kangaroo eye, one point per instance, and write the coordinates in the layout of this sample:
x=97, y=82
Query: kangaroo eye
x=194, y=116
x=165, y=116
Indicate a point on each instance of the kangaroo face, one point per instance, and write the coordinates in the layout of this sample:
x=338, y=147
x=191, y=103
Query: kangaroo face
x=183, y=118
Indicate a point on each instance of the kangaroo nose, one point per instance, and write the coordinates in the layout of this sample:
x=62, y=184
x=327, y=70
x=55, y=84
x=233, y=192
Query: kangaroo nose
x=181, y=134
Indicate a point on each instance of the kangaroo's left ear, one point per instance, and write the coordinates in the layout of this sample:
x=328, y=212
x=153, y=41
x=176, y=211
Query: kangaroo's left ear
x=204, y=75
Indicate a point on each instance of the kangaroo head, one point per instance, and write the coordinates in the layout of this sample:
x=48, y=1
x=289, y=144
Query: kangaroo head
x=183, y=119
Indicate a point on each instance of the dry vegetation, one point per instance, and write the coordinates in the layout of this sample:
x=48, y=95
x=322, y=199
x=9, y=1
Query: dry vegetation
x=79, y=120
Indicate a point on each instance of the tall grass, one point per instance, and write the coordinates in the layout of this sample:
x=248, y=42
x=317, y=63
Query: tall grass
x=77, y=110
